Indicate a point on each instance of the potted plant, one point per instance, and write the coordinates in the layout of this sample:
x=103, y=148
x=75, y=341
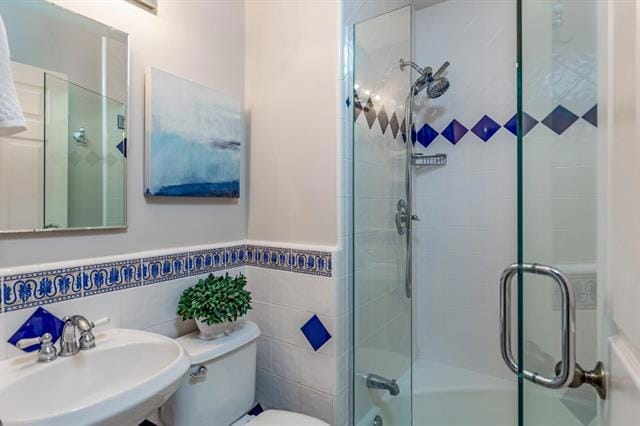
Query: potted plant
x=215, y=303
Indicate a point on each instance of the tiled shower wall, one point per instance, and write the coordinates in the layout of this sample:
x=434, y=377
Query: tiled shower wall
x=467, y=232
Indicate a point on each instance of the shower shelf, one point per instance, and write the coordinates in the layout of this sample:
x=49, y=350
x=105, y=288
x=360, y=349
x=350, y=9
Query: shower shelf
x=422, y=160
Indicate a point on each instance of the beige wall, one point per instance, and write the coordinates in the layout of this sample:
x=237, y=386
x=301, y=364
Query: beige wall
x=291, y=97
x=203, y=42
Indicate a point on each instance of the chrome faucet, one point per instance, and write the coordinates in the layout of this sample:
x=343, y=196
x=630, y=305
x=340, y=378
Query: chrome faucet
x=69, y=346
x=378, y=382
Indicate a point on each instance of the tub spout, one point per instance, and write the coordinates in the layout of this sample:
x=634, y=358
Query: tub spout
x=378, y=382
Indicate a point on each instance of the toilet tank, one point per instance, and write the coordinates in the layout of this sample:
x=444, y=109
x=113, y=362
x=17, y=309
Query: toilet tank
x=227, y=390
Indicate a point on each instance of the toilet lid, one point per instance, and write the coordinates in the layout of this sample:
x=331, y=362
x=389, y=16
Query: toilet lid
x=284, y=418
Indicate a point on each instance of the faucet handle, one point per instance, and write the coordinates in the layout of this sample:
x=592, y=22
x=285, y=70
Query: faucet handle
x=25, y=343
x=100, y=322
x=46, y=353
x=87, y=339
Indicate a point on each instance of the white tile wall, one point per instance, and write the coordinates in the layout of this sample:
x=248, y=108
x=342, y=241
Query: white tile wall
x=291, y=375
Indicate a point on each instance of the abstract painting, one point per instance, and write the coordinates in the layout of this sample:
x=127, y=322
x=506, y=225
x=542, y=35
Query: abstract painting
x=192, y=139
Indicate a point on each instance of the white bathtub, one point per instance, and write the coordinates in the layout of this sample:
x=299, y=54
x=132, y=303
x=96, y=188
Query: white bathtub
x=450, y=396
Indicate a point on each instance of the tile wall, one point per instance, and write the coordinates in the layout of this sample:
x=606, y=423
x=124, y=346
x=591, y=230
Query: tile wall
x=140, y=291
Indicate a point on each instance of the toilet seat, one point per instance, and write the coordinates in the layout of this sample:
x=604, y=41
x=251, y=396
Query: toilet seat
x=284, y=418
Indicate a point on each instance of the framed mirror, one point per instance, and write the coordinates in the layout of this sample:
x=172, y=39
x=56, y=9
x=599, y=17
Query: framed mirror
x=68, y=169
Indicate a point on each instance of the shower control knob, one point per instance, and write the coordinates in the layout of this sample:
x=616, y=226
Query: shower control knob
x=415, y=218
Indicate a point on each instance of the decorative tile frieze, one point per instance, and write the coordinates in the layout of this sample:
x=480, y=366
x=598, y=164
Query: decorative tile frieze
x=164, y=268
x=206, y=261
x=29, y=289
x=25, y=290
x=311, y=262
x=111, y=276
x=273, y=258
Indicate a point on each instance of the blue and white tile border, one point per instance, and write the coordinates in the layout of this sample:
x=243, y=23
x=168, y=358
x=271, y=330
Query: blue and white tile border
x=35, y=285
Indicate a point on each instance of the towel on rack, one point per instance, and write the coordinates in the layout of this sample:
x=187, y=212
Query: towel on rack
x=11, y=118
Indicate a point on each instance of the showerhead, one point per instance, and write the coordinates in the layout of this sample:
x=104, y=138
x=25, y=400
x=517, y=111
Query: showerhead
x=435, y=84
x=437, y=87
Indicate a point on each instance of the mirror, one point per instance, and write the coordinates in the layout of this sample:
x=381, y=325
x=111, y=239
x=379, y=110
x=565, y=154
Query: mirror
x=68, y=169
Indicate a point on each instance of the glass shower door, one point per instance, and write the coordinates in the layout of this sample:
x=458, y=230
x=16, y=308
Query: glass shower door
x=382, y=351
x=558, y=198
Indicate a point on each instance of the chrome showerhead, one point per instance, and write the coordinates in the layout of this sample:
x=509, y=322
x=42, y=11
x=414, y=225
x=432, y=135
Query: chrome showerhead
x=435, y=84
x=437, y=87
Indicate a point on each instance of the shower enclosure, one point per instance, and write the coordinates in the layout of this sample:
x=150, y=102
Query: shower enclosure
x=475, y=239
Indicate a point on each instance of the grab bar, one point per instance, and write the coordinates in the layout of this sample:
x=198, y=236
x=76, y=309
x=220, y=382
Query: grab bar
x=564, y=377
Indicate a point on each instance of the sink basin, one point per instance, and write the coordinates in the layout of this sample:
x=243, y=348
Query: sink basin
x=128, y=375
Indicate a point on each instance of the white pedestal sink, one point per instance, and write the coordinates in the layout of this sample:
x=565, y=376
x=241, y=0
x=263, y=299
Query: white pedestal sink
x=120, y=382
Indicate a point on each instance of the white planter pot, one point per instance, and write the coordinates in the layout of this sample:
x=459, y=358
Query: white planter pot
x=210, y=332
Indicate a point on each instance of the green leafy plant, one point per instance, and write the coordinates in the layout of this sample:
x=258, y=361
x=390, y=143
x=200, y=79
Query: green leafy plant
x=215, y=300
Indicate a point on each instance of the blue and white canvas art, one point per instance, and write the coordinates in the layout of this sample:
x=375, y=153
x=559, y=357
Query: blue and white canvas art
x=193, y=139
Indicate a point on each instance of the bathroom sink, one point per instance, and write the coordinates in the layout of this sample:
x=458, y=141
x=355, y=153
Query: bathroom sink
x=120, y=382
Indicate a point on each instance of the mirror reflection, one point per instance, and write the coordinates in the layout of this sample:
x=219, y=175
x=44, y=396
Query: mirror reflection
x=67, y=170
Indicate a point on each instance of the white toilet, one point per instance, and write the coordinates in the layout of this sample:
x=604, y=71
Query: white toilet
x=220, y=386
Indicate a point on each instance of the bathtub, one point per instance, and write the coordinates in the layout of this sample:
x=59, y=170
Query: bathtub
x=449, y=396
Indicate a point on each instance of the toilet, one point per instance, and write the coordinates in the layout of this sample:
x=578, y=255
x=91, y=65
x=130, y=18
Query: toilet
x=219, y=388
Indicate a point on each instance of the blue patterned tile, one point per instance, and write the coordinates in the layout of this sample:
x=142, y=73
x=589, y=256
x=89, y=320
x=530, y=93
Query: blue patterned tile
x=251, y=255
x=426, y=135
x=315, y=332
x=39, y=322
x=560, y=119
x=454, y=131
x=206, y=261
x=234, y=256
x=485, y=128
x=38, y=288
x=273, y=257
x=528, y=122
x=111, y=276
x=312, y=262
x=591, y=116
x=164, y=268
x=348, y=102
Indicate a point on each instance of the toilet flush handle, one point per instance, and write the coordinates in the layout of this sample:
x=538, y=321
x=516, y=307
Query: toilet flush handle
x=198, y=372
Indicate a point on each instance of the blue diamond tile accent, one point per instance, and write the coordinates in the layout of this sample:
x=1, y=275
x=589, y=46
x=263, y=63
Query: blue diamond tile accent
x=257, y=409
x=122, y=147
x=528, y=122
x=40, y=322
x=560, y=119
x=394, y=125
x=357, y=108
x=485, y=128
x=370, y=113
x=426, y=135
x=383, y=119
x=591, y=116
x=454, y=131
x=348, y=102
x=315, y=332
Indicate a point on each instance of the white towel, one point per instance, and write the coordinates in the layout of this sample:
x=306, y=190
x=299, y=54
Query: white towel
x=11, y=118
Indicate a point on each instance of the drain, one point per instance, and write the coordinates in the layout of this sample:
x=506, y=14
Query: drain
x=377, y=421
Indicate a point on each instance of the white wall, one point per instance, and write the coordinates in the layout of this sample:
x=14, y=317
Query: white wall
x=292, y=56
x=203, y=42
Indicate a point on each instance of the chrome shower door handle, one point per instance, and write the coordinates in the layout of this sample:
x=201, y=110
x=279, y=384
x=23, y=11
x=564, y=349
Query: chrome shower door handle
x=568, y=363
